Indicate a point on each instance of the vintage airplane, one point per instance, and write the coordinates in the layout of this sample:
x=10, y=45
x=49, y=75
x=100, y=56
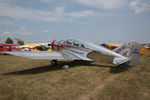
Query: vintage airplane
x=36, y=47
x=71, y=49
x=8, y=47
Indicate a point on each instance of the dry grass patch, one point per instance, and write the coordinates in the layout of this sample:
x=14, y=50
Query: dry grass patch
x=28, y=79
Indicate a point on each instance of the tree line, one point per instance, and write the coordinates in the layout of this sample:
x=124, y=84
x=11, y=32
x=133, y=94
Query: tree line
x=10, y=41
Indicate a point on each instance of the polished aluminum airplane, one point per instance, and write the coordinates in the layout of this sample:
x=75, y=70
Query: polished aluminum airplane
x=71, y=49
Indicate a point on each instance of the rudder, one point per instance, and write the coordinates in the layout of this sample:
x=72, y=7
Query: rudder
x=132, y=51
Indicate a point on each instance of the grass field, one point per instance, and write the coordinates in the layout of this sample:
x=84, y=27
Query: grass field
x=28, y=79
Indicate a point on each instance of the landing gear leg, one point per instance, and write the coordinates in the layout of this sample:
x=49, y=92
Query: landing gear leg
x=54, y=62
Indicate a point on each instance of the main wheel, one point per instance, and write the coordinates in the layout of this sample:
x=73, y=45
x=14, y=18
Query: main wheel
x=54, y=62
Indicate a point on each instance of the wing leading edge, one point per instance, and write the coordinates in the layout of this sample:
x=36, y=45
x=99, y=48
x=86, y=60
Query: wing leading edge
x=48, y=55
x=38, y=54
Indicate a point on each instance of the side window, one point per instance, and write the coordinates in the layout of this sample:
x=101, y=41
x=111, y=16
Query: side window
x=69, y=42
x=82, y=46
x=104, y=45
x=75, y=43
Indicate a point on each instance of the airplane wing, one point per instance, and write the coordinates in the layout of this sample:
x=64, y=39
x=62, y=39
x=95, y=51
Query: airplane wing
x=49, y=55
x=38, y=54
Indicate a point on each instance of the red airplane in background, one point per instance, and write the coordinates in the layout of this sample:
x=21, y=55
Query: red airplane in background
x=8, y=48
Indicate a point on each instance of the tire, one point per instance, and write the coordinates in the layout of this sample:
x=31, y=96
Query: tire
x=54, y=62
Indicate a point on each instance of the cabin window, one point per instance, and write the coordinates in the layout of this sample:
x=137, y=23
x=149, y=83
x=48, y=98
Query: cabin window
x=69, y=42
x=82, y=46
x=104, y=45
x=75, y=43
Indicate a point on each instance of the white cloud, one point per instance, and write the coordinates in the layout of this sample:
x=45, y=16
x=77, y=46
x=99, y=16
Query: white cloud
x=7, y=33
x=21, y=31
x=56, y=15
x=104, y=4
x=140, y=6
x=21, y=13
x=45, y=31
x=46, y=1
x=86, y=13
x=6, y=22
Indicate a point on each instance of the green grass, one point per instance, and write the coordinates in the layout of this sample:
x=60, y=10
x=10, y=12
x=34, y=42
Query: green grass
x=28, y=79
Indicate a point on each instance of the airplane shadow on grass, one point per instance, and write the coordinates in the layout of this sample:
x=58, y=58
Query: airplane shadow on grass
x=72, y=64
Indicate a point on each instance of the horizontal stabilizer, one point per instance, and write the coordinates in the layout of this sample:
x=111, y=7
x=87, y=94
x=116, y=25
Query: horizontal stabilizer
x=119, y=60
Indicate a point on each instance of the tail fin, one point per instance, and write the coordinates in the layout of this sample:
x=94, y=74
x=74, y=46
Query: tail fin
x=130, y=50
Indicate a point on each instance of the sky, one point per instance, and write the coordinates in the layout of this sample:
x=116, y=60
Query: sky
x=36, y=21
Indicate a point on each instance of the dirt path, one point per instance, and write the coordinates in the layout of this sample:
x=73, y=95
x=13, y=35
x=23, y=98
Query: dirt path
x=100, y=87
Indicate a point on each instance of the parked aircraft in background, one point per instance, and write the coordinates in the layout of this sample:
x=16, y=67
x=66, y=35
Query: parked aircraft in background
x=71, y=49
x=8, y=47
x=112, y=46
x=36, y=47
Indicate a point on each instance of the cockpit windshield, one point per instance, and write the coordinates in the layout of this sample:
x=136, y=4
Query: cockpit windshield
x=61, y=42
x=74, y=43
x=56, y=42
